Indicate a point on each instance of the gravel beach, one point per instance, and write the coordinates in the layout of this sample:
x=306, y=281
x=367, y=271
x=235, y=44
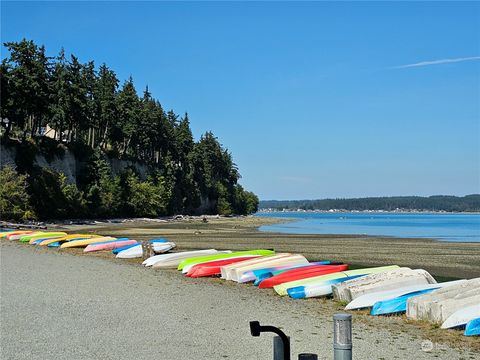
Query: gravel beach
x=55, y=305
x=443, y=259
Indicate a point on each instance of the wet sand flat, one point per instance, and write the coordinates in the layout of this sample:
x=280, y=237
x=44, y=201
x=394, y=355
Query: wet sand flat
x=443, y=259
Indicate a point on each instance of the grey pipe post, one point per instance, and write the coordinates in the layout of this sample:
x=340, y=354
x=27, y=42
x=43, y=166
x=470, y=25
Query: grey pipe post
x=278, y=349
x=342, y=337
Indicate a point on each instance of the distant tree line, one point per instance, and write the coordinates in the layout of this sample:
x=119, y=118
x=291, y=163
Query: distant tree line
x=59, y=102
x=469, y=203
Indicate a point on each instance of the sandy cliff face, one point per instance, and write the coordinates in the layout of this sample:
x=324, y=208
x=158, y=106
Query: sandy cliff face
x=66, y=163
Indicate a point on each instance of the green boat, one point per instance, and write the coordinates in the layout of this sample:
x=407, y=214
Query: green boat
x=202, y=259
x=44, y=235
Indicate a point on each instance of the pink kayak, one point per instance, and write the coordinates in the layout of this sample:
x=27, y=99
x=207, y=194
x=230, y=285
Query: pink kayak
x=109, y=245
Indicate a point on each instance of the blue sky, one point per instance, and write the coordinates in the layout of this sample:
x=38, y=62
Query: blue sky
x=313, y=99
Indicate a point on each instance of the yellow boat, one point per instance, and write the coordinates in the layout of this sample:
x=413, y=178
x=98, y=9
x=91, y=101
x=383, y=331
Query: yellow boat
x=41, y=235
x=68, y=238
x=55, y=236
x=85, y=242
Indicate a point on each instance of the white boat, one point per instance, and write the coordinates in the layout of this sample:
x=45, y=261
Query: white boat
x=388, y=280
x=311, y=283
x=235, y=271
x=462, y=316
x=137, y=251
x=226, y=270
x=438, y=305
x=173, y=259
x=369, y=299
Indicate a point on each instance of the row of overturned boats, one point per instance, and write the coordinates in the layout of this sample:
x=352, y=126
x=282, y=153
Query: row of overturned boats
x=385, y=290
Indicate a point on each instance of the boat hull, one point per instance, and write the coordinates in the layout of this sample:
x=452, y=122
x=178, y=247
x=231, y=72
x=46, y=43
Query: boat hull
x=473, y=328
x=302, y=273
x=213, y=268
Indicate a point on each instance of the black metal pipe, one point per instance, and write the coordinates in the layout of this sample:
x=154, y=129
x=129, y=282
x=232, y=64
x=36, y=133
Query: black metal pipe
x=307, y=357
x=256, y=329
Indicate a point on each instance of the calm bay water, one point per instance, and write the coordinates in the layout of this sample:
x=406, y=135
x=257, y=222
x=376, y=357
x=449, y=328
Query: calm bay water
x=443, y=227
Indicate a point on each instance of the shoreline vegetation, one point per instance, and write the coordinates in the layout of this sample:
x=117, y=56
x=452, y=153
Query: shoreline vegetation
x=125, y=154
x=444, y=260
x=341, y=211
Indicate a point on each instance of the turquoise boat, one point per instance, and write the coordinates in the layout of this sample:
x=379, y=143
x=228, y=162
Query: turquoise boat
x=473, y=328
x=396, y=305
x=321, y=289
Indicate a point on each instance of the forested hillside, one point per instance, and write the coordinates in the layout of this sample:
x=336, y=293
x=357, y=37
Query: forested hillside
x=53, y=104
x=469, y=203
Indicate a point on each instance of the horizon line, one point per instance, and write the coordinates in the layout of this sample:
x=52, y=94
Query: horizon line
x=371, y=197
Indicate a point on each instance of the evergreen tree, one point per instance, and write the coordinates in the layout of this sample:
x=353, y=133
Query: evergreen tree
x=77, y=119
x=14, y=199
x=185, y=197
x=91, y=109
x=8, y=112
x=105, y=93
x=59, y=96
x=124, y=130
x=28, y=84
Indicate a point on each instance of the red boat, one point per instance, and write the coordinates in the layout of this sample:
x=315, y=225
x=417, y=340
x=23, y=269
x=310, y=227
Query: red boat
x=301, y=273
x=212, y=268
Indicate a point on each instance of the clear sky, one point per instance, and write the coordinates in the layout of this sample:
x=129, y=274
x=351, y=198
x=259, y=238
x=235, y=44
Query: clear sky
x=313, y=99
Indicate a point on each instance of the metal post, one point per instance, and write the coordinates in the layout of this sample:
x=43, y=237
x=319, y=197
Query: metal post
x=278, y=349
x=256, y=329
x=342, y=337
x=307, y=357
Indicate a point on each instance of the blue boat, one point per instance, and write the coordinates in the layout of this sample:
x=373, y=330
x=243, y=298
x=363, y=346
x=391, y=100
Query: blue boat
x=55, y=244
x=300, y=292
x=396, y=305
x=160, y=240
x=38, y=241
x=117, y=250
x=473, y=328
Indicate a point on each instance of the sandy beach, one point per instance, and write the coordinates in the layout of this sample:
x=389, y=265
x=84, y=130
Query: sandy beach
x=443, y=259
x=94, y=306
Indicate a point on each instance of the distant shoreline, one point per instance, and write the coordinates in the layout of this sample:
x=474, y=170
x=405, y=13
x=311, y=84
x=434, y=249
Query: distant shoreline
x=435, y=203
x=342, y=211
x=394, y=225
